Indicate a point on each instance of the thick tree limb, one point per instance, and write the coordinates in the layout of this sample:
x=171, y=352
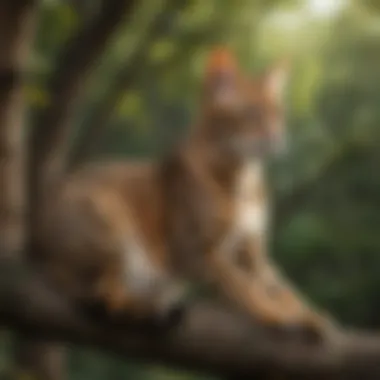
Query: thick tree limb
x=50, y=140
x=211, y=338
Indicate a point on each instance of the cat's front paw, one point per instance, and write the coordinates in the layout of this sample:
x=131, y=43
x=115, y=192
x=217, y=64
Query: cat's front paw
x=313, y=328
x=306, y=326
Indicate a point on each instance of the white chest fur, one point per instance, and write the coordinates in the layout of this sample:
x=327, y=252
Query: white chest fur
x=251, y=211
x=143, y=278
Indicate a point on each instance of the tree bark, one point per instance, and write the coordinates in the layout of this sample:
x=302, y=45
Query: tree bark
x=17, y=20
x=210, y=338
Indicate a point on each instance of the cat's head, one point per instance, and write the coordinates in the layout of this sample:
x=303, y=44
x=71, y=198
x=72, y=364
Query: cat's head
x=243, y=114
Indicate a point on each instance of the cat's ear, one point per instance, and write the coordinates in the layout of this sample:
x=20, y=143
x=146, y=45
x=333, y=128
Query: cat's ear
x=221, y=61
x=275, y=80
x=221, y=77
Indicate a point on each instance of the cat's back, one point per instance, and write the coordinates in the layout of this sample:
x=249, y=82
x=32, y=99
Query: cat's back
x=95, y=205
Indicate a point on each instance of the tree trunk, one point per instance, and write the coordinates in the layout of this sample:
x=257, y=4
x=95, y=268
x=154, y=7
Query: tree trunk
x=16, y=24
x=17, y=21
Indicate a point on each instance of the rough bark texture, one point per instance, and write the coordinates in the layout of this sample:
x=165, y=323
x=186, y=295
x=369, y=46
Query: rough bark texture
x=211, y=338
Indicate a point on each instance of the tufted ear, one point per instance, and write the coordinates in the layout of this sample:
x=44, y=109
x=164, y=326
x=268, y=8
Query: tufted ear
x=221, y=77
x=276, y=79
x=221, y=62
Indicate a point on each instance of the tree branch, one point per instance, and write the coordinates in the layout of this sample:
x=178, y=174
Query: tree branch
x=122, y=81
x=50, y=140
x=211, y=338
x=17, y=21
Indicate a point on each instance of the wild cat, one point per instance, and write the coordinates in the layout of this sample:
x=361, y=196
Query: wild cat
x=132, y=235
